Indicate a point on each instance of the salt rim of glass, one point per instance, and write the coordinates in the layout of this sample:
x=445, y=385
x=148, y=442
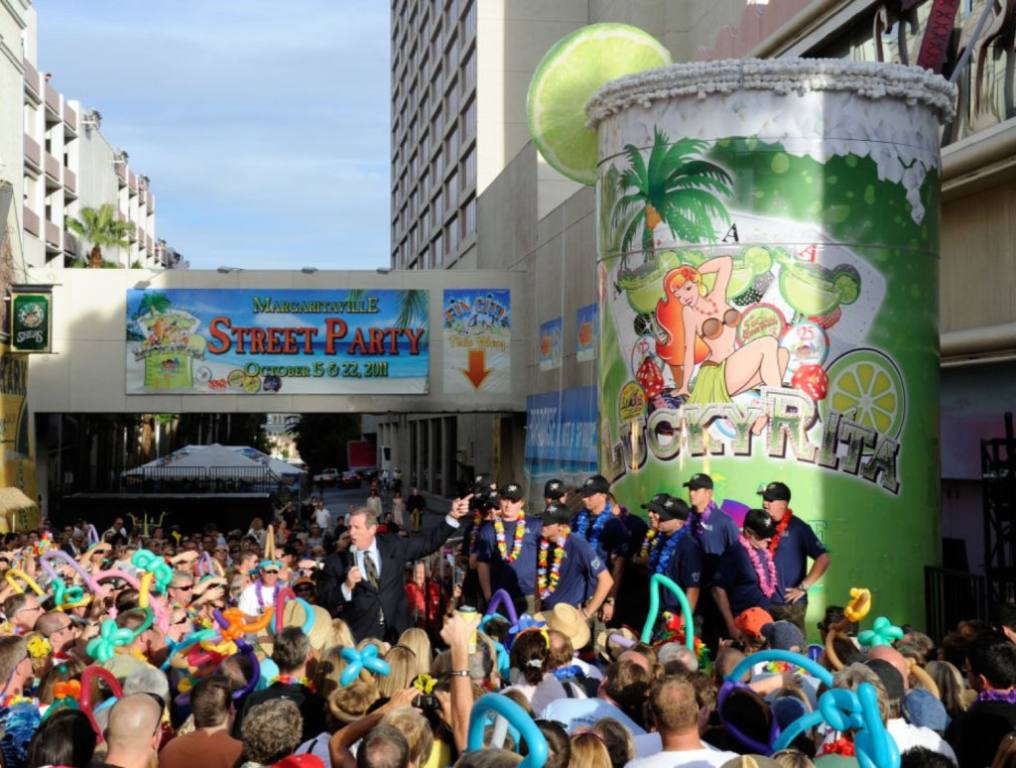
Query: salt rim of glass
x=873, y=80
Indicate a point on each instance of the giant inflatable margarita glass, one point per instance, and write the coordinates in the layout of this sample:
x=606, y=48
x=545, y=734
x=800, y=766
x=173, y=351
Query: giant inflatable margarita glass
x=768, y=287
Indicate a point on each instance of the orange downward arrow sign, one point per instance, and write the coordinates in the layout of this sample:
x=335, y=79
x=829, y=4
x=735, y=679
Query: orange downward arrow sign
x=477, y=371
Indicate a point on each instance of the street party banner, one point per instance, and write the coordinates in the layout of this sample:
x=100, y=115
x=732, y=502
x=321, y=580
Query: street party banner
x=266, y=341
x=587, y=333
x=477, y=340
x=550, y=344
x=561, y=434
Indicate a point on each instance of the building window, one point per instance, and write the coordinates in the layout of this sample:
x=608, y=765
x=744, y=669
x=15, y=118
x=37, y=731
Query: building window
x=452, y=100
x=469, y=24
x=452, y=233
x=469, y=168
x=438, y=209
x=425, y=181
x=453, y=145
x=453, y=188
x=453, y=54
x=469, y=217
x=469, y=121
x=469, y=78
x=438, y=250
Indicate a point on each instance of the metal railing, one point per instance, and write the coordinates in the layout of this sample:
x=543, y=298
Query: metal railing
x=951, y=597
x=201, y=480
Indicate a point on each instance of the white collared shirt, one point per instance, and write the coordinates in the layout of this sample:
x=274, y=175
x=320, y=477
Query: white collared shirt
x=376, y=554
x=358, y=556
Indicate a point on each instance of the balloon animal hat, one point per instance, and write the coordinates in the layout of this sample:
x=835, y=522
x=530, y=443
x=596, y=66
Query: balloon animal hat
x=271, y=558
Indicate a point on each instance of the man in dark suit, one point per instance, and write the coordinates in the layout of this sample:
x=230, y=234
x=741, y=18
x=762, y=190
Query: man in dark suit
x=368, y=581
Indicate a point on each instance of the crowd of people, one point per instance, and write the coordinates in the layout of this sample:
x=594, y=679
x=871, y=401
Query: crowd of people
x=384, y=637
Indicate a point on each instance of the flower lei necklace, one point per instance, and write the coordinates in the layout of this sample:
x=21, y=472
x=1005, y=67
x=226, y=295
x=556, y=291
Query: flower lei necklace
x=660, y=557
x=1007, y=696
x=258, y=586
x=290, y=680
x=520, y=533
x=583, y=526
x=698, y=519
x=548, y=574
x=767, y=585
x=781, y=528
x=647, y=543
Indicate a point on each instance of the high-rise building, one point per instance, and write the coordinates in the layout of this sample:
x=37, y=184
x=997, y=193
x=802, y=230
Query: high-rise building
x=59, y=163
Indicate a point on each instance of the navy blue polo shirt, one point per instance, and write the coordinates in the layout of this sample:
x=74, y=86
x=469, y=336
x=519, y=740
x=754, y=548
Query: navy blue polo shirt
x=580, y=570
x=715, y=534
x=613, y=536
x=737, y=576
x=637, y=530
x=685, y=569
x=518, y=578
x=797, y=544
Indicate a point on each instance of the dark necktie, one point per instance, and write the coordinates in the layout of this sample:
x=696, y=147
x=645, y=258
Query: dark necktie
x=371, y=566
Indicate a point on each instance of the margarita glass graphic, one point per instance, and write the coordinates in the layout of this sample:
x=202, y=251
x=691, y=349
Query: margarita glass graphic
x=814, y=290
x=767, y=241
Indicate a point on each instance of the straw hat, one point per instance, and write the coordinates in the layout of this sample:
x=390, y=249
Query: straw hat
x=293, y=615
x=607, y=646
x=569, y=621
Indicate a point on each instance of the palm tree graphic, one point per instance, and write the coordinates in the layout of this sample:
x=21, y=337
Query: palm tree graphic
x=675, y=186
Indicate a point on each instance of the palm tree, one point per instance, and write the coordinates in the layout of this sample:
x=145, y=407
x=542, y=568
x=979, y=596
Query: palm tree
x=412, y=308
x=676, y=186
x=152, y=301
x=102, y=229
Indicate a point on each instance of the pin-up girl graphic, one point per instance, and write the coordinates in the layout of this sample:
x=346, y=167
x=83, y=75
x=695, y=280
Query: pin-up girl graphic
x=700, y=327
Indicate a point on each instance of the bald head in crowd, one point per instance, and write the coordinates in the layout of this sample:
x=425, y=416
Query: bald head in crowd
x=133, y=731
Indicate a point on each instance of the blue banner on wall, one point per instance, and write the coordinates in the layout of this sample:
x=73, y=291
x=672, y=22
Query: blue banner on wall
x=561, y=434
x=250, y=341
x=587, y=332
x=550, y=344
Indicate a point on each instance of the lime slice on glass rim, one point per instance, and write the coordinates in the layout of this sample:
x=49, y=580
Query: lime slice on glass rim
x=575, y=68
x=866, y=385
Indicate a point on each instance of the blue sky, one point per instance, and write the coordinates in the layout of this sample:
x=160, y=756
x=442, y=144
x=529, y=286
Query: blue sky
x=263, y=125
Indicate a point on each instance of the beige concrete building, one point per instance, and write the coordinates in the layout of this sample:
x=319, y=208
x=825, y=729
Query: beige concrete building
x=530, y=219
x=59, y=162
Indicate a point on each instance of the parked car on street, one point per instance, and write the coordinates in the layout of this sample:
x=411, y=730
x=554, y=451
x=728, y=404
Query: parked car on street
x=350, y=479
x=327, y=476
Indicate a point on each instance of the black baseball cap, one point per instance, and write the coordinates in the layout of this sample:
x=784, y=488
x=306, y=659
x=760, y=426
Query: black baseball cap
x=657, y=503
x=775, y=491
x=595, y=484
x=699, y=480
x=668, y=507
x=553, y=489
x=492, y=499
x=512, y=492
x=482, y=483
x=758, y=522
x=556, y=514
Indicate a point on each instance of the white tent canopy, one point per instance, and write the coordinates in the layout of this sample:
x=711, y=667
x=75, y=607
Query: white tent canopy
x=276, y=466
x=198, y=459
